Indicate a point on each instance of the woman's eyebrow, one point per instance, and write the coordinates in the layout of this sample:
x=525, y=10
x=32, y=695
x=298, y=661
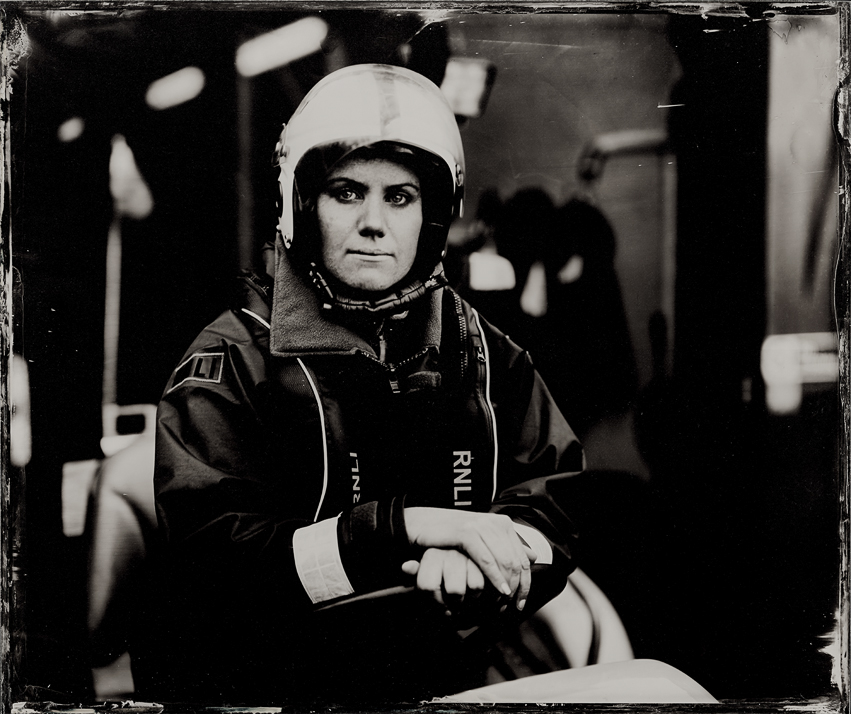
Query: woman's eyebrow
x=338, y=180
x=404, y=184
x=344, y=180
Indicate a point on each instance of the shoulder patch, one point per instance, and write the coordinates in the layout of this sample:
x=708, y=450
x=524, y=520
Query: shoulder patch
x=200, y=367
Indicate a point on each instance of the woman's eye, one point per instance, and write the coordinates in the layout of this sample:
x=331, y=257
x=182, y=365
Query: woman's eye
x=345, y=195
x=398, y=199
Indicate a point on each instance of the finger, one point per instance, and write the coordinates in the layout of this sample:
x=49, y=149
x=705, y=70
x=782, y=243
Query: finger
x=503, y=541
x=531, y=554
x=524, y=587
x=430, y=574
x=475, y=579
x=525, y=583
x=479, y=552
x=488, y=539
x=512, y=555
x=455, y=573
x=411, y=567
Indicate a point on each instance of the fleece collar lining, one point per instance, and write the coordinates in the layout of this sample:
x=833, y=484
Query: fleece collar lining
x=301, y=327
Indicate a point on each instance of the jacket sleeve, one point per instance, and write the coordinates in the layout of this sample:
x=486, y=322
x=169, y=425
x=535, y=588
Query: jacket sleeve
x=232, y=508
x=538, y=452
x=222, y=506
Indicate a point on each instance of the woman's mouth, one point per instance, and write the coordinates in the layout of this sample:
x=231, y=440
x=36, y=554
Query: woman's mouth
x=370, y=254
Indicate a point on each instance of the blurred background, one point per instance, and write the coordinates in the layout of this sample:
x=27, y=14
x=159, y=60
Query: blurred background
x=651, y=210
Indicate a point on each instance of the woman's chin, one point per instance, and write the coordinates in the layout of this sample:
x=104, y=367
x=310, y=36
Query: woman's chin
x=368, y=282
x=368, y=288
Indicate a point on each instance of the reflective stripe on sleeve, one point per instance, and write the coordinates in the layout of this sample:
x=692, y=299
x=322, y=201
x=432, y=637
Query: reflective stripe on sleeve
x=536, y=542
x=317, y=561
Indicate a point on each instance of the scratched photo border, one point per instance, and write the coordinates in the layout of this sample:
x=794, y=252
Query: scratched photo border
x=11, y=49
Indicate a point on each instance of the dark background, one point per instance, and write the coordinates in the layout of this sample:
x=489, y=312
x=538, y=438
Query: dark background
x=719, y=549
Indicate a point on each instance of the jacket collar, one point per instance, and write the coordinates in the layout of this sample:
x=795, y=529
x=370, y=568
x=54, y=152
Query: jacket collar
x=301, y=327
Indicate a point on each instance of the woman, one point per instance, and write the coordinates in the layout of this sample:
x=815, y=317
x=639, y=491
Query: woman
x=351, y=426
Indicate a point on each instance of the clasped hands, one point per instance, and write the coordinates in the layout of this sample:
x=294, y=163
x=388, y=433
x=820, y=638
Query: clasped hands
x=465, y=551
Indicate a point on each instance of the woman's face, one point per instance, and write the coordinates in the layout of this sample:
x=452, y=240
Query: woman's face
x=370, y=215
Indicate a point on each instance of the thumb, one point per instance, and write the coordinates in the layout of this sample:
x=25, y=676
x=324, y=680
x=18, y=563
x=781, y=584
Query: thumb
x=411, y=567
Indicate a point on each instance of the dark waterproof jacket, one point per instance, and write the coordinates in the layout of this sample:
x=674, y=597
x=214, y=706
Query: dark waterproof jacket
x=252, y=446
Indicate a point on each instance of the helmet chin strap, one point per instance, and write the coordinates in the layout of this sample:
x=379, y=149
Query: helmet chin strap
x=392, y=300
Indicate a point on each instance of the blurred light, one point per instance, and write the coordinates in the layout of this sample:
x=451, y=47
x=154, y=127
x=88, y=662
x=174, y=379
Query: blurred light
x=466, y=85
x=489, y=271
x=71, y=129
x=572, y=270
x=130, y=193
x=533, y=299
x=784, y=398
x=77, y=479
x=280, y=47
x=175, y=88
x=788, y=362
x=20, y=431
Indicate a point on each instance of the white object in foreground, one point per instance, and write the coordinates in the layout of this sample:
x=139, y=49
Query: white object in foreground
x=632, y=682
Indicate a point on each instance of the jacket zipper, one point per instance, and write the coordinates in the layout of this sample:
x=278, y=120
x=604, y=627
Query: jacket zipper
x=382, y=357
x=391, y=368
x=483, y=390
x=482, y=381
x=394, y=383
x=462, y=328
x=382, y=342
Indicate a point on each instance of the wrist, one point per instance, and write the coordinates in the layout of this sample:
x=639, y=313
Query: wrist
x=413, y=517
x=374, y=542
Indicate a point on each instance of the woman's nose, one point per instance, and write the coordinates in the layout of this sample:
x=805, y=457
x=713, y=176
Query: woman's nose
x=372, y=217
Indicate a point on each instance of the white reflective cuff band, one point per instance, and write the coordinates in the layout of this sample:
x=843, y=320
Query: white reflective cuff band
x=536, y=542
x=317, y=561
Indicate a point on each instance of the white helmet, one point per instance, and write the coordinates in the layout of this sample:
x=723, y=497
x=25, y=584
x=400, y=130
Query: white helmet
x=379, y=108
